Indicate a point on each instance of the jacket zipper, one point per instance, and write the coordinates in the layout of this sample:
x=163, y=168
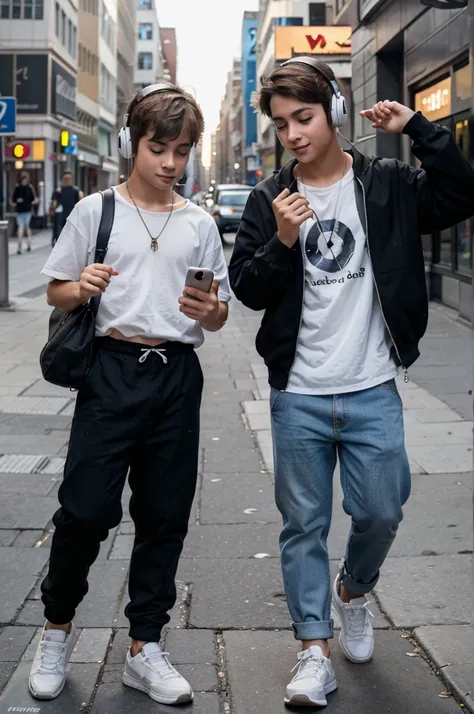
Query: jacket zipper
x=406, y=378
x=299, y=326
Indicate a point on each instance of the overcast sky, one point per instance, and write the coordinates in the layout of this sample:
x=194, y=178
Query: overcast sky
x=209, y=37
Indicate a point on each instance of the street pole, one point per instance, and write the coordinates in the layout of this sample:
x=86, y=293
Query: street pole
x=4, y=274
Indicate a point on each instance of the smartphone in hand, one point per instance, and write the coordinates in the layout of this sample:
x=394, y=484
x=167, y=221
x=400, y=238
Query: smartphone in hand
x=199, y=278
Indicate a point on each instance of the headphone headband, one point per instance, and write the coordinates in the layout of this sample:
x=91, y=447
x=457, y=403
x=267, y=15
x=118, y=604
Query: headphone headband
x=319, y=66
x=142, y=94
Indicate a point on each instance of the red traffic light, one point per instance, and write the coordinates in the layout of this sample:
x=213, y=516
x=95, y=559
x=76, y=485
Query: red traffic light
x=20, y=151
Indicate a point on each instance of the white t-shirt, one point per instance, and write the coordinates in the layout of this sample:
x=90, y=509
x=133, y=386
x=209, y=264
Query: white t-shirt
x=343, y=344
x=143, y=299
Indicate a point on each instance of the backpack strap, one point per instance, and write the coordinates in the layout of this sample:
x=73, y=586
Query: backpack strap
x=103, y=234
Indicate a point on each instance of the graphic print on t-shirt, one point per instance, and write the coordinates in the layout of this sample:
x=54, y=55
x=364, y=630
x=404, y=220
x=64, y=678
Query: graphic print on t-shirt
x=331, y=250
x=342, y=344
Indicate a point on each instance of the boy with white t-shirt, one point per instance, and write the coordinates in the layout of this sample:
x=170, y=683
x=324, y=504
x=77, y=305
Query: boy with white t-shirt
x=330, y=247
x=138, y=409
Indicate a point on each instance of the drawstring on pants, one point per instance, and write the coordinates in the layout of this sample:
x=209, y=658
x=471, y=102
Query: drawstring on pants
x=146, y=352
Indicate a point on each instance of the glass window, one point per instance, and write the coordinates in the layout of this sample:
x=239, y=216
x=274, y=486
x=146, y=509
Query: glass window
x=145, y=31
x=464, y=230
x=56, y=20
x=28, y=10
x=145, y=60
x=145, y=4
x=233, y=198
x=16, y=9
x=463, y=83
x=39, y=9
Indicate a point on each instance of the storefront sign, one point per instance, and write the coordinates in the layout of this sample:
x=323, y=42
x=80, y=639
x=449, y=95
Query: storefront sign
x=63, y=92
x=296, y=40
x=26, y=78
x=435, y=101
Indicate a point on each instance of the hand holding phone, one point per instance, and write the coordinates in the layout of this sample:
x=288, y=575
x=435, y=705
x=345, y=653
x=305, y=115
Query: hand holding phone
x=200, y=300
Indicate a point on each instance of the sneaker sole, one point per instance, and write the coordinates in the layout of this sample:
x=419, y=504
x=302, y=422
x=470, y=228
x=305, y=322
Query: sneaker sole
x=134, y=684
x=305, y=700
x=350, y=657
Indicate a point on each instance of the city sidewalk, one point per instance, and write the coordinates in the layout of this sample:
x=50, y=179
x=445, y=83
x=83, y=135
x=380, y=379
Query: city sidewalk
x=230, y=630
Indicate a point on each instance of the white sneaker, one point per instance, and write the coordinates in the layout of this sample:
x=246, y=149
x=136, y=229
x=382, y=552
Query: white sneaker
x=357, y=634
x=48, y=673
x=151, y=672
x=314, y=679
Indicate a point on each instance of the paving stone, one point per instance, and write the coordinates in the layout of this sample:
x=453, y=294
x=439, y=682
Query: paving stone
x=80, y=684
x=21, y=463
x=33, y=444
x=259, y=421
x=7, y=536
x=451, y=649
x=247, y=498
x=434, y=434
x=41, y=388
x=232, y=541
x=202, y=677
x=28, y=538
x=265, y=445
x=20, y=569
x=442, y=458
x=117, y=699
x=379, y=686
x=29, y=513
x=32, y=405
x=100, y=607
x=27, y=484
x=220, y=462
x=122, y=547
x=33, y=423
x=414, y=591
x=191, y=646
x=6, y=670
x=14, y=641
x=118, y=650
x=92, y=645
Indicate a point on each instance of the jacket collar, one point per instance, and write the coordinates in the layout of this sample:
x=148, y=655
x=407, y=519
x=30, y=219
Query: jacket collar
x=285, y=177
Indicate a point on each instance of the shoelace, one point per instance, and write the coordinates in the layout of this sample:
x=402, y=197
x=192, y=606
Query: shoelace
x=51, y=653
x=358, y=620
x=146, y=352
x=159, y=662
x=309, y=666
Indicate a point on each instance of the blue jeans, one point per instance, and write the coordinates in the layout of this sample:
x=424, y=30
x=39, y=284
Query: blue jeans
x=365, y=431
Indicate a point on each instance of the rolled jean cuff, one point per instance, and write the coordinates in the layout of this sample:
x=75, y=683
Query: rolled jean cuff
x=145, y=633
x=358, y=589
x=58, y=616
x=322, y=630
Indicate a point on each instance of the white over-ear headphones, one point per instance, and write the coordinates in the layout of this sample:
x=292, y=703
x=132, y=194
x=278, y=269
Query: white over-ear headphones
x=338, y=103
x=124, y=138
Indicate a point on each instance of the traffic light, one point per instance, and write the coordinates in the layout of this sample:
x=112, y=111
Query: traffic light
x=21, y=151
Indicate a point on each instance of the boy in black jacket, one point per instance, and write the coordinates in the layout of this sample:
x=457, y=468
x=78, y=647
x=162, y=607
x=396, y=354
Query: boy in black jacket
x=330, y=248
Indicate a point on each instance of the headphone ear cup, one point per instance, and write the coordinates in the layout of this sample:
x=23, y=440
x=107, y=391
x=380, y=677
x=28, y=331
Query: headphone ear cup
x=125, y=142
x=338, y=111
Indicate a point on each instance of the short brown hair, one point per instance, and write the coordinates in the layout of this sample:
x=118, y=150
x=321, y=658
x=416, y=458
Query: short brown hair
x=166, y=114
x=299, y=81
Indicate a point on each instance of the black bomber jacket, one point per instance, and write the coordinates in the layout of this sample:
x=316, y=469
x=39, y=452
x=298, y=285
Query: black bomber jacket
x=397, y=204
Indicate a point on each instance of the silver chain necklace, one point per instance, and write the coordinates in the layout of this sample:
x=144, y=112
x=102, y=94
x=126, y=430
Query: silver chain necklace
x=329, y=242
x=154, y=239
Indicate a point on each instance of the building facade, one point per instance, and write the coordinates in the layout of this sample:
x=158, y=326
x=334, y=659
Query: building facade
x=126, y=52
x=149, y=51
x=170, y=53
x=88, y=100
x=419, y=56
x=38, y=65
x=289, y=28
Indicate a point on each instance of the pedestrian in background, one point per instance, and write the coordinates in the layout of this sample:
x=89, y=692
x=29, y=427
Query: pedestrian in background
x=330, y=247
x=23, y=199
x=63, y=201
x=138, y=410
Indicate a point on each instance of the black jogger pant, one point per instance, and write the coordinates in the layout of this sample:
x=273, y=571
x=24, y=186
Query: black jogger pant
x=138, y=410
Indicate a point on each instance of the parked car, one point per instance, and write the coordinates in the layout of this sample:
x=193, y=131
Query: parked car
x=226, y=205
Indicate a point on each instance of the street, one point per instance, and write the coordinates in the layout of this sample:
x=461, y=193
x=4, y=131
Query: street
x=230, y=630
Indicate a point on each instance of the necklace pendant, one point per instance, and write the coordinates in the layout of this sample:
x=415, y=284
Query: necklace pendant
x=154, y=244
